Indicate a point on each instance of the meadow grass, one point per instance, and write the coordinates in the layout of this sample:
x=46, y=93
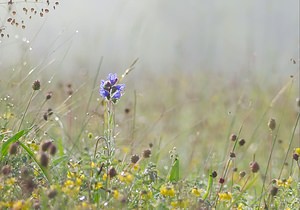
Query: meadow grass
x=181, y=142
x=172, y=140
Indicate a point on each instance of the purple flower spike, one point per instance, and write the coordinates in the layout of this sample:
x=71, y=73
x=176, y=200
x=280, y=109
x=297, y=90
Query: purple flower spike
x=110, y=90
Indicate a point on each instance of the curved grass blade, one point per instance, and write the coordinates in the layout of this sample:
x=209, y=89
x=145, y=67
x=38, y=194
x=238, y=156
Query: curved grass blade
x=31, y=154
x=13, y=139
x=209, y=185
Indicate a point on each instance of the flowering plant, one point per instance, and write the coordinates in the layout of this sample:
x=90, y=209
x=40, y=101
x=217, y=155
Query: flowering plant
x=110, y=90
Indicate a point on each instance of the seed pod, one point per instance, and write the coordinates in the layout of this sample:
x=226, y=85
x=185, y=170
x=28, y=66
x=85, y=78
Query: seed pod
x=13, y=149
x=44, y=159
x=254, y=166
x=233, y=137
x=272, y=124
x=134, y=158
x=36, y=85
x=146, y=153
x=112, y=172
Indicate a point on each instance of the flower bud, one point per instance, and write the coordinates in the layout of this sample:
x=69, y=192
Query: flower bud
x=272, y=124
x=36, y=85
x=254, y=166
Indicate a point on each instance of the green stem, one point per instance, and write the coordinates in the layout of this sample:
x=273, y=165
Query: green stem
x=31, y=96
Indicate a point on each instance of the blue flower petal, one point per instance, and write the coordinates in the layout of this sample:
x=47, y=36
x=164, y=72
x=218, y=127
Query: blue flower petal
x=112, y=78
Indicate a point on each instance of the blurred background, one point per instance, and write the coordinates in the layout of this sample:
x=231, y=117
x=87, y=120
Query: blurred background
x=231, y=37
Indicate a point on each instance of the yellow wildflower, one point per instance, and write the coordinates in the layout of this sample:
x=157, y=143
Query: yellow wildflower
x=104, y=177
x=196, y=192
x=21, y=205
x=167, y=190
x=226, y=196
x=136, y=167
x=10, y=181
x=240, y=206
x=181, y=204
x=98, y=185
x=284, y=182
x=125, y=177
x=146, y=194
x=297, y=151
x=116, y=194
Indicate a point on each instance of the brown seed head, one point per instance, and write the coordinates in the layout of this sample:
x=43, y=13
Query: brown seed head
x=134, y=158
x=146, y=153
x=44, y=159
x=233, y=137
x=272, y=124
x=36, y=85
x=242, y=142
x=45, y=146
x=53, y=149
x=13, y=149
x=274, y=191
x=51, y=194
x=214, y=174
x=6, y=170
x=112, y=172
x=254, y=166
x=242, y=174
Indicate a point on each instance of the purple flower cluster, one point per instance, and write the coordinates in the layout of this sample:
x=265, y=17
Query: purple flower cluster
x=110, y=90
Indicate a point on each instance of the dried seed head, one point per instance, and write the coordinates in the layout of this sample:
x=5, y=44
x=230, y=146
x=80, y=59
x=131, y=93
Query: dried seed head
x=296, y=156
x=233, y=137
x=134, y=158
x=214, y=174
x=232, y=154
x=6, y=170
x=272, y=124
x=45, y=116
x=242, y=174
x=146, y=153
x=51, y=194
x=112, y=172
x=44, y=159
x=53, y=149
x=150, y=145
x=221, y=180
x=49, y=95
x=242, y=142
x=127, y=110
x=254, y=166
x=50, y=112
x=45, y=146
x=13, y=149
x=274, y=191
x=36, y=85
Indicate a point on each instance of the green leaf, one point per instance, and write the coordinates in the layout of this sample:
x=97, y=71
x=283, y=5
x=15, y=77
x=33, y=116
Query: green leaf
x=174, y=173
x=209, y=185
x=13, y=139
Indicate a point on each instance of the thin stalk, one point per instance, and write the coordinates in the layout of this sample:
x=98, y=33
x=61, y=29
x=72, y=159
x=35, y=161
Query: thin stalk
x=30, y=99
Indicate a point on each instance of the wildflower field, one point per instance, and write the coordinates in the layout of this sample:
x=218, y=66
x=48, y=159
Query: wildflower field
x=132, y=139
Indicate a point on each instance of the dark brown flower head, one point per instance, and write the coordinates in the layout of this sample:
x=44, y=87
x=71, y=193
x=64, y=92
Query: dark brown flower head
x=49, y=95
x=233, y=137
x=36, y=85
x=242, y=142
x=112, y=172
x=45, y=146
x=146, y=153
x=6, y=170
x=134, y=158
x=51, y=194
x=232, y=154
x=272, y=124
x=13, y=149
x=53, y=149
x=296, y=156
x=242, y=174
x=44, y=159
x=214, y=174
x=274, y=191
x=254, y=166
x=221, y=180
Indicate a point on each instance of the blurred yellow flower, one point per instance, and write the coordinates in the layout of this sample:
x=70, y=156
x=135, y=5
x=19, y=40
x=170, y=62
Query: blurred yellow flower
x=284, y=182
x=98, y=185
x=196, y=192
x=297, y=151
x=180, y=204
x=10, y=181
x=125, y=177
x=146, y=194
x=226, y=196
x=116, y=194
x=167, y=190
